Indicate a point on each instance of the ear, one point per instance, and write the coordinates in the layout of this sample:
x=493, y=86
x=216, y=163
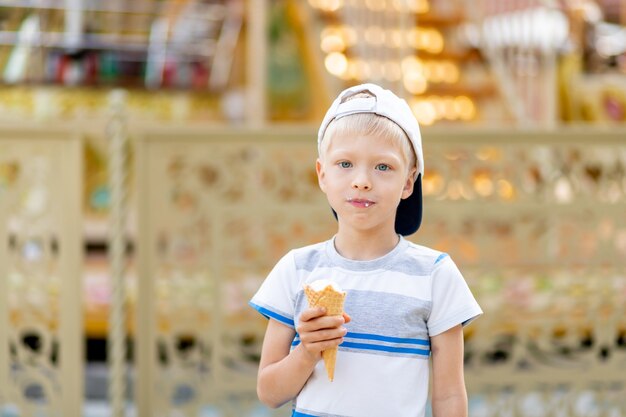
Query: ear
x=408, y=185
x=321, y=175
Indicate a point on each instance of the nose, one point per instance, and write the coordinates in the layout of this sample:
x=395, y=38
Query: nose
x=361, y=181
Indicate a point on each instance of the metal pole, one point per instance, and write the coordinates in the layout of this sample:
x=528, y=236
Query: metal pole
x=4, y=309
x=71, y=331
x=256, y=56
x=117, y=319
x=73, y=35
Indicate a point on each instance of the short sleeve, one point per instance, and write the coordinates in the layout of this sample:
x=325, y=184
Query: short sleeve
x=452, y=299
x=275, y=297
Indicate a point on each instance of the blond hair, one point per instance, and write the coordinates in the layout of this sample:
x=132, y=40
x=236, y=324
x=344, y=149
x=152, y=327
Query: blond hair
x=370, y=124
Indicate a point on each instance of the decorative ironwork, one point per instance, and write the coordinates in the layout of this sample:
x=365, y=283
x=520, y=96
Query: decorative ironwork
x=41, y=360
x=534, y=220
x=207, y=338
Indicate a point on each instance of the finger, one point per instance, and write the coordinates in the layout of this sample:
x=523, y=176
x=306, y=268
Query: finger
x=323, y=335
x=325, y=344
x=318, y=323
x=327, y=322
x=311, y=313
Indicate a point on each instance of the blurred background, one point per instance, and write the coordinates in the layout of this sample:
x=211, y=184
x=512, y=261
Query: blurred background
x=157, y=159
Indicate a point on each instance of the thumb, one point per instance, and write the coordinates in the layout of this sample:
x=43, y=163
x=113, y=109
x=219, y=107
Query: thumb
x=346, y=318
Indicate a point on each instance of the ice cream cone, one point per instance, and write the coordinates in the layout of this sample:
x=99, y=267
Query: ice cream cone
x=333, y=301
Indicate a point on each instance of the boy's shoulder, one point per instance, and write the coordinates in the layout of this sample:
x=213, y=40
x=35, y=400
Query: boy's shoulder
x=423, y=250
x=314, y=247
x=424, y=255
x=306, y=257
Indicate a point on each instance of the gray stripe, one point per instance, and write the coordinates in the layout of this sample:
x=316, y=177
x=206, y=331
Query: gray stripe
x=387, y=314
x=405, y=258
x=413, y=264
x=383, y=314
x=383, y=353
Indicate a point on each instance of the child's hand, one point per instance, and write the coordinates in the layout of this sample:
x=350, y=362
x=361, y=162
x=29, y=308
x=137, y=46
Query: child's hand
x=319, y=332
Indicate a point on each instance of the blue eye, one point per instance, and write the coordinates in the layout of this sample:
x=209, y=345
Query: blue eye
x=383, y=167
x=345, y=164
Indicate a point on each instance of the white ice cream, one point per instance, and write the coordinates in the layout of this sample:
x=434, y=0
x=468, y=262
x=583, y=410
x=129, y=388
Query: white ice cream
x=320, y=284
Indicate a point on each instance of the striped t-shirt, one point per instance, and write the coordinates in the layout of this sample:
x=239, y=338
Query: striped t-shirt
x=396, y=302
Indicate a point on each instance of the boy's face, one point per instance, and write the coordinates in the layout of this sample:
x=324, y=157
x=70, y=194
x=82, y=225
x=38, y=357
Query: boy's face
x=364, y=179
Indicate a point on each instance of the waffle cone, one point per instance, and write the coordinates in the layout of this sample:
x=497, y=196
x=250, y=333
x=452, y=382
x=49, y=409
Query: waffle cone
x=333, y=302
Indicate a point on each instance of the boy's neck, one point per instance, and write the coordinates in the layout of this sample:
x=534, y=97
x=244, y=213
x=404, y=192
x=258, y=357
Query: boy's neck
x=365, y=246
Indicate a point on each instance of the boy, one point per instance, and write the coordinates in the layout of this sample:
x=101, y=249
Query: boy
x=406, y=302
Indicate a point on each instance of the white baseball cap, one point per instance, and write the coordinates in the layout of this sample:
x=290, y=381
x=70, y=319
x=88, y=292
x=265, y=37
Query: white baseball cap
x=385, y=103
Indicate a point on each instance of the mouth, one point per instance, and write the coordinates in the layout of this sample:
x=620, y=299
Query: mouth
x=361, y=203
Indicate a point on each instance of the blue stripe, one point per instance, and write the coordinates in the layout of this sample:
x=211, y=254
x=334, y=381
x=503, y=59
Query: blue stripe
x=366, y=346
x=299, y=414
x=270, y=314
x=388, y=339
x=365, y=336
x=442, y=256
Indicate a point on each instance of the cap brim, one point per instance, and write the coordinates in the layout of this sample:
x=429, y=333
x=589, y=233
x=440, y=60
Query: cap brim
x=409, y=212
